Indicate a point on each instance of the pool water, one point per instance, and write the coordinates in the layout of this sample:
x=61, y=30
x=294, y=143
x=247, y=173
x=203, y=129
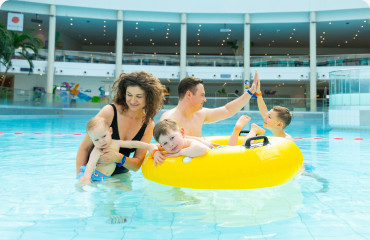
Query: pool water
x=40, y=197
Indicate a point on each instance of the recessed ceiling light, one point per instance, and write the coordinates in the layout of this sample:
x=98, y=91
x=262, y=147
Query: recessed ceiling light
x=71, y=19
x=329, y=22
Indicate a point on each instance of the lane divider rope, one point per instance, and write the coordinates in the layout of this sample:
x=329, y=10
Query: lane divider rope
x=80, y=134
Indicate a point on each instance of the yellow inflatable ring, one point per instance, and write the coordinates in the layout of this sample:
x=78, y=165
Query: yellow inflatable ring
x=230, y=167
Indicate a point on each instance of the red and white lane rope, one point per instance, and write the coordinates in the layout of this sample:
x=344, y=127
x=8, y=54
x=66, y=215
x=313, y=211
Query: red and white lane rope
x=336, y=138
x=40, y=133
x=80, y=134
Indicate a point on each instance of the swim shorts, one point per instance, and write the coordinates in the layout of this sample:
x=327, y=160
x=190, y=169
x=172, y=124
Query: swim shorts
x=95, y=176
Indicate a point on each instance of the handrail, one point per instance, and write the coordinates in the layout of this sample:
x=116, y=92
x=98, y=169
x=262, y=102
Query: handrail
x=210, y=61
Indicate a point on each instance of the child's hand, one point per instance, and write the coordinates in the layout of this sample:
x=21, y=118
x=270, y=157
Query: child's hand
x=158, y=157
x=84, y=180
x=172, y=154
x=258, y=82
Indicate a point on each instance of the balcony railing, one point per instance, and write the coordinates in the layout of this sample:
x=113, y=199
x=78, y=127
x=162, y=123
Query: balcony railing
x=202, y=61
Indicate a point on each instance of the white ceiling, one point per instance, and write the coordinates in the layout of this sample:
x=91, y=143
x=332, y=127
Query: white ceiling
x=262, y=35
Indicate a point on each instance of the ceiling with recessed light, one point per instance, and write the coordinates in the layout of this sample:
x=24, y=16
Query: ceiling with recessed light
x=84, y=31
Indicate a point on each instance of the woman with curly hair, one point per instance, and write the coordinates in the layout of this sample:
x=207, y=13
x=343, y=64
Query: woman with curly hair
x=138, y=97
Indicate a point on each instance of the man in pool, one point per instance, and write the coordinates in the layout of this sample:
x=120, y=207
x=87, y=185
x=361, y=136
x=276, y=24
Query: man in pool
x=190, y=113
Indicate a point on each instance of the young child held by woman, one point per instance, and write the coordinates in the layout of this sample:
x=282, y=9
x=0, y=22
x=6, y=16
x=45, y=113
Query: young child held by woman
x=101, y=135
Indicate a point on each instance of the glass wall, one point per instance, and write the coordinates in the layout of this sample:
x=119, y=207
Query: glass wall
x=350, y=87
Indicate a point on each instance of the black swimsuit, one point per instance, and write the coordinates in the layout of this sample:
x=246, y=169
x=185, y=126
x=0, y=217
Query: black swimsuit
x=115, y=135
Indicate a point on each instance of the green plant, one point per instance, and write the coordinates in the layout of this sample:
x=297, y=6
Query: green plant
x=23, y=43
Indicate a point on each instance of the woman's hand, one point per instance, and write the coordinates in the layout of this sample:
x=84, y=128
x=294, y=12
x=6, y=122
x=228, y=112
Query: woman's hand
x=108, y=155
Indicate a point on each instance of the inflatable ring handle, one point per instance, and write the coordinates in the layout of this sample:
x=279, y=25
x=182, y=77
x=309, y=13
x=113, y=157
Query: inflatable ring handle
x=265, y=141
x=243, y=131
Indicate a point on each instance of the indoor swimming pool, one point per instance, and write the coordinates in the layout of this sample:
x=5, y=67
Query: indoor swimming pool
x=40, y=197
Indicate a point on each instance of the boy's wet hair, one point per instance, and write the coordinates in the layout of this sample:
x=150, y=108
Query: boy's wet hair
x=96, y=121
x=188, y=83
x=283, y=114
x=163, y=127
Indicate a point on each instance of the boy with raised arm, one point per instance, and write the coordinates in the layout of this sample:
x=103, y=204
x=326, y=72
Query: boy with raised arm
x=275, y=120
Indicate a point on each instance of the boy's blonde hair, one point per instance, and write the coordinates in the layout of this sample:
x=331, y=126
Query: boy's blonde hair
x=96, y=121
x=163, y=127
x=283, y=114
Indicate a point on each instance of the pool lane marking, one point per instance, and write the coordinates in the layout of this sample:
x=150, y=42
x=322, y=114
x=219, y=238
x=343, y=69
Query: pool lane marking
x=40, y=133
x=336, y=138
x=80, y=134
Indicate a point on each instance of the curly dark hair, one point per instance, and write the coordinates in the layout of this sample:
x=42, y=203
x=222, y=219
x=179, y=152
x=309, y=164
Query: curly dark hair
x=154, y=92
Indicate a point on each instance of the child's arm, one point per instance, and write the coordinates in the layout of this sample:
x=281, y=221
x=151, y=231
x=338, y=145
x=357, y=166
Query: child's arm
x=90, y=166
x=153, y=149
x=195, y=149
x=205, y=142
x=261, y=104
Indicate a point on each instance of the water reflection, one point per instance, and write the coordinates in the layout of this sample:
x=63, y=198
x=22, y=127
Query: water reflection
x=229, y=208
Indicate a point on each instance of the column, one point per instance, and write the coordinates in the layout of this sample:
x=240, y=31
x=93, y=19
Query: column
x=247, y=53
x=119, y=43
x=51, y=55
x=313, y=74
x=183, y=43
